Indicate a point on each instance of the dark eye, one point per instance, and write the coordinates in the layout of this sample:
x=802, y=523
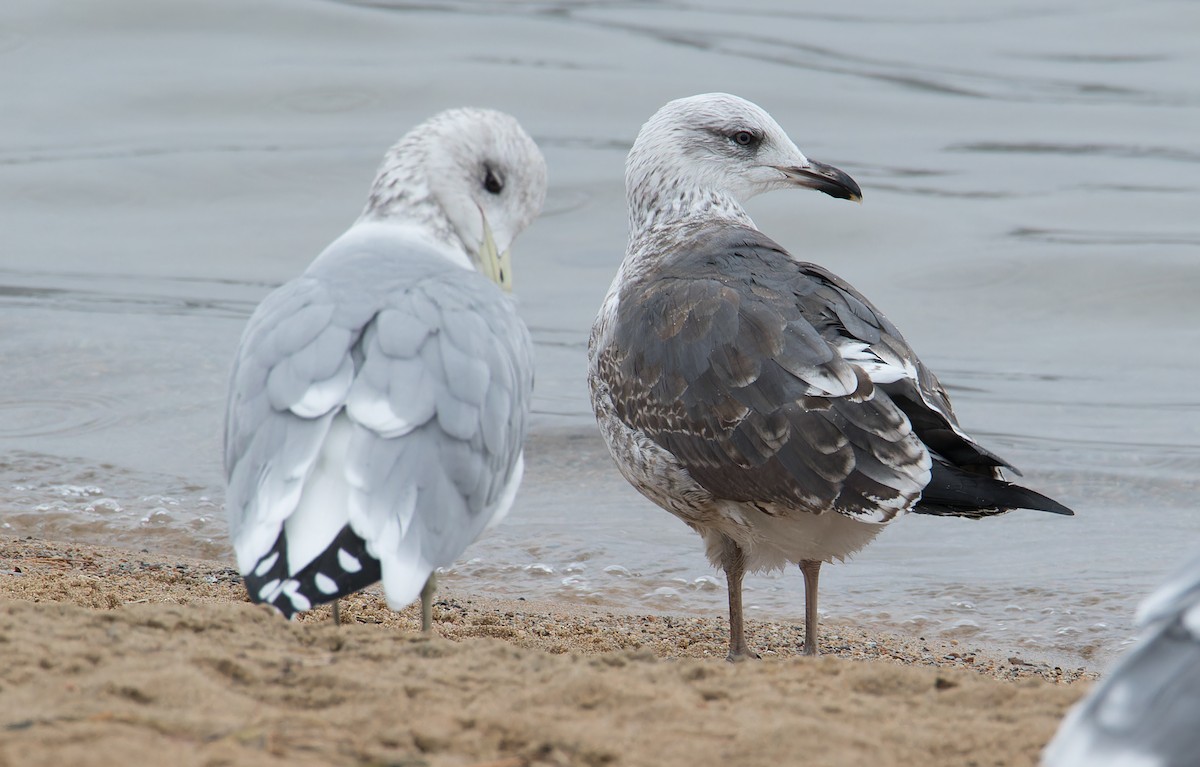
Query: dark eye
x=744, y=138
x=492, y=182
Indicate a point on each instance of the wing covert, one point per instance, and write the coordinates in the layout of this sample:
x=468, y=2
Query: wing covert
x=431, y=375
x=439, y=417
x=732, y=358
x=291, y=373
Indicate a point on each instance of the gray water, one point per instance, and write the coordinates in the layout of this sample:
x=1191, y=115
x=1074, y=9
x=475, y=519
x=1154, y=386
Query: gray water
x=1032, y=183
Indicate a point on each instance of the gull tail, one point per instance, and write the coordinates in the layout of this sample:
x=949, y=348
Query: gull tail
x=954, y=492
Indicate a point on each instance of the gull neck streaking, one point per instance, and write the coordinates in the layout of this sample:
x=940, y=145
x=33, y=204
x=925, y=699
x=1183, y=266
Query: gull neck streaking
x=699, y=159
x=459, y=177
x=761, y=399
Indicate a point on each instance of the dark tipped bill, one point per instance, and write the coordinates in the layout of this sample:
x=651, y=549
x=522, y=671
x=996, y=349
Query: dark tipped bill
x=824, y=178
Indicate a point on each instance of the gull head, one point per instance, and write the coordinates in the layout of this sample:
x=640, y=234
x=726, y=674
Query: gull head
x=473, y=177
x=718, y=146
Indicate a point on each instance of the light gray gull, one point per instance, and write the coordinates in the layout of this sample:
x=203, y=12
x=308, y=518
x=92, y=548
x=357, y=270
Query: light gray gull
x=757, y=397
x=379, y=402
x=1145, y=712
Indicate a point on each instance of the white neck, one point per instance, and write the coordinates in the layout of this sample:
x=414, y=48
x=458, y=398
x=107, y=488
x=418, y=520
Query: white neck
x=380, y=236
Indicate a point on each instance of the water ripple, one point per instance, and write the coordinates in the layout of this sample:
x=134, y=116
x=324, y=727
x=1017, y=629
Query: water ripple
x=1101, y=237
x=101, y=302
x=1130, y=151
x=64, y=415
x=34, y=155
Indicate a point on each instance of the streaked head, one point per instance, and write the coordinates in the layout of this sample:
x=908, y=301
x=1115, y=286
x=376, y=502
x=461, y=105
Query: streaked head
x=474, y=175
x=721, y=143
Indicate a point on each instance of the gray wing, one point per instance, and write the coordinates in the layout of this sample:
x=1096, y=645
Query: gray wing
x=293, y=369
x=440, y=408
x=407, y=394
x=1146, y=710
x=773, y=381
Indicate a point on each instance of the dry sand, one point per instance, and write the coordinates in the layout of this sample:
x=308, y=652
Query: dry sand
x=119, y=658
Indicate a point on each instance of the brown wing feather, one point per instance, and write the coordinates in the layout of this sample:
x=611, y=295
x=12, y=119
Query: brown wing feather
x=725, y=356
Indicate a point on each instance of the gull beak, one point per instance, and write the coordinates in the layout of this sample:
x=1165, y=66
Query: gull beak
x=823, y=178
x=495, y=265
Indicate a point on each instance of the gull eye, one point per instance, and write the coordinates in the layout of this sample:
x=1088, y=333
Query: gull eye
x=492, y=182
x=744, y=138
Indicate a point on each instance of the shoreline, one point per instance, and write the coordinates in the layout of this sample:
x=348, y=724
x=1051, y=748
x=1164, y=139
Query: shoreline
x=557, y=683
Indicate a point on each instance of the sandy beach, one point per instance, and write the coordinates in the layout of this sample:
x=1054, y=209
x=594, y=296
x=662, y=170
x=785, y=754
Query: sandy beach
x=124, y=658
x=1030, y=190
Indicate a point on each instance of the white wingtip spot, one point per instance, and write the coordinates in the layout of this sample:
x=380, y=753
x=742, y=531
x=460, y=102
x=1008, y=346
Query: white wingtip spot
x=326, y=584
x=266, y=564
x=291, y=590
x=269, y=591
x=348, y=561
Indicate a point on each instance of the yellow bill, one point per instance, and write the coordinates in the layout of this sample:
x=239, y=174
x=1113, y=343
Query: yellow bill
x=494, y=265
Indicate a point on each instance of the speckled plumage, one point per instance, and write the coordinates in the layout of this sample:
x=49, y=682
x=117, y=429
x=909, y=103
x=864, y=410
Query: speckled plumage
x=378, y=402
x=761, y=399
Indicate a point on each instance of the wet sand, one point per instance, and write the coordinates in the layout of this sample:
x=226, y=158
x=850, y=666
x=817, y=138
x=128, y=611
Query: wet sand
x=120, y=658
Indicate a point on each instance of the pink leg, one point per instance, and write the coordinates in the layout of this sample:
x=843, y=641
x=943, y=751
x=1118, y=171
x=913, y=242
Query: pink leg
x=811, y=569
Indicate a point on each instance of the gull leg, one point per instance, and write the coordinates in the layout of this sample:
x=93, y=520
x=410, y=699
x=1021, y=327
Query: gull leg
x=427, y=603
x=337, y=613
x=811, y=569
x=733, y=562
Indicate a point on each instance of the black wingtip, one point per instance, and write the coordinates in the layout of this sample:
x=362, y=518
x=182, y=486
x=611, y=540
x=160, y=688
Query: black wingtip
x=1043, y=503
x=954, y=492
x=323, y=580
x=1017, y=497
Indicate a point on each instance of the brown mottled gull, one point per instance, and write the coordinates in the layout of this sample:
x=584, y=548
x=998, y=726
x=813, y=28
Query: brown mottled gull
x=757, y=397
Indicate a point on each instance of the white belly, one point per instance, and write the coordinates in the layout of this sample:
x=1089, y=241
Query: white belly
x=773, y=542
